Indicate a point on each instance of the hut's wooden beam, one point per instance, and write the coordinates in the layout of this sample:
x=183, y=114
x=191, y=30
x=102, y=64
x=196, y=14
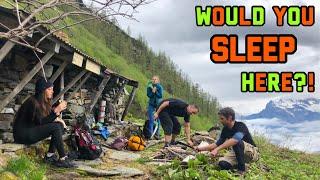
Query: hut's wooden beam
x=5, y=49
x=74, y=80
x=79, y=86
x=59, y=71
x=26, y=79
x=132, y=94
x=62, y=84
x=100, y=90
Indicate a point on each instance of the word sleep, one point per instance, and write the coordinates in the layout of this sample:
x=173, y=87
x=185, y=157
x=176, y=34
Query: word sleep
x=258, y=48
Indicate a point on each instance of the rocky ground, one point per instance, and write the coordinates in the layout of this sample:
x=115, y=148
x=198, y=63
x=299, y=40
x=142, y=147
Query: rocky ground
x=112, y=164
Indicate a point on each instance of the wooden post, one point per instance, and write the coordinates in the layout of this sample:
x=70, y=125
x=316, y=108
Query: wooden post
x=79, y=86
x=61, y=87
x=101, y=88
x=62, y=84
x=25, y=80
x=59, y=71
x=6, y=49
x=74, y=80
x=132, y=94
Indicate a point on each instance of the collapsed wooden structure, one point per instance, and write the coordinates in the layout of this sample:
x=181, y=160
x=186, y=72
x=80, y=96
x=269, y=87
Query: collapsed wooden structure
x=66, y=66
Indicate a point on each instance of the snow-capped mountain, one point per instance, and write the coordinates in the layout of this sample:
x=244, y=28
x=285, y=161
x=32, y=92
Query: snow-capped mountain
x=292, y=110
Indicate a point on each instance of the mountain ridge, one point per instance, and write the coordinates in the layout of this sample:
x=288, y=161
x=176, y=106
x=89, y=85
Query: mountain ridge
x=292, y=110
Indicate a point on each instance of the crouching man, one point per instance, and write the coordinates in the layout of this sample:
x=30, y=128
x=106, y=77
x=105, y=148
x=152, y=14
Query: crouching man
x=236, y=136
x=167, y=112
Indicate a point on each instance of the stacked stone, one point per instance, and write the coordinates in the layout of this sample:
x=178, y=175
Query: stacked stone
x=114, y=95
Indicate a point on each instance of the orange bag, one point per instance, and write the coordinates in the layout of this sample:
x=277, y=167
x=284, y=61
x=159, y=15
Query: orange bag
x=136, y=143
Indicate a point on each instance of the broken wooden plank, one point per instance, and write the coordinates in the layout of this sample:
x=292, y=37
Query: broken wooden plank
x=100, y=90
x=79, y=86
x=132, y=94
x=74, y=80
x=5, y=49
x=26, y=79
x=59, y=71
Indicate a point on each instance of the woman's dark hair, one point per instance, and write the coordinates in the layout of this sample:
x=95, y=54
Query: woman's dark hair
x=226, y=112
x=42, y=104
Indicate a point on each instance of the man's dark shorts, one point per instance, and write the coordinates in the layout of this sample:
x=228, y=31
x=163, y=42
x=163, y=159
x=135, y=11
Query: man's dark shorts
x=169, y=123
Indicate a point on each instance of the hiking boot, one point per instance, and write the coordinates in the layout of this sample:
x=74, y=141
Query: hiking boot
x=64, y=164
x=50, y=160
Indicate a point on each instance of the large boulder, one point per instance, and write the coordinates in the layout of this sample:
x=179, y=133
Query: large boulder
x=123, y=156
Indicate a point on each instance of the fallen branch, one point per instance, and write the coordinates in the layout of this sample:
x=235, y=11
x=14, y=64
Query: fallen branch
x=161, y=160
x=171, y=151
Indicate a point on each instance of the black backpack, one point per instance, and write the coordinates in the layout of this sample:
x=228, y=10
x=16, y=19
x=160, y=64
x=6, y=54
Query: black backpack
x=85, y=144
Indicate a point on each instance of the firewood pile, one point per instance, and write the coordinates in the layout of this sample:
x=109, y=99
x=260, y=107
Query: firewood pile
x=181, y=151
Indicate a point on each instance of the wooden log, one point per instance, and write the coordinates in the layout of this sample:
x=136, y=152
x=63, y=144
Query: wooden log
x=175, y=153
x=5, y=49
x=74, y=80
x=100, y=90
x=59, y=71
x=79, y=86
x=26, y=79
x=132, y=94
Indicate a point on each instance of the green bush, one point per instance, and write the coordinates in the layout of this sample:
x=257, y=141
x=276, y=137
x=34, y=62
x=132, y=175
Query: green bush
x=26, y=169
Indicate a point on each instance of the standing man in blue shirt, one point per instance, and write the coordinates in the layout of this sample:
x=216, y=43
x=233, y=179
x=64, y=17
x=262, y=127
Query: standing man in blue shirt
x=154, y=92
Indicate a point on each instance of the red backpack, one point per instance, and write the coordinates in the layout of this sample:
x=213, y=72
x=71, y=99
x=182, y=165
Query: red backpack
x=87, y=146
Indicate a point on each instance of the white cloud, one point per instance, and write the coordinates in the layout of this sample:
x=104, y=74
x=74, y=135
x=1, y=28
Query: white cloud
x=301, y=136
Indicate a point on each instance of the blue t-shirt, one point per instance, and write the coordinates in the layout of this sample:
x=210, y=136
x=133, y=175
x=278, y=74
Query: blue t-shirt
x=239, y=132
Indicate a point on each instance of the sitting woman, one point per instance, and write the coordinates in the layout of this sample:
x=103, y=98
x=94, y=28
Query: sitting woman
x=37, y=120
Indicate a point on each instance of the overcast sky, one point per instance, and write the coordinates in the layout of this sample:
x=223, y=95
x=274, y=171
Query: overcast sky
x=170, y=26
